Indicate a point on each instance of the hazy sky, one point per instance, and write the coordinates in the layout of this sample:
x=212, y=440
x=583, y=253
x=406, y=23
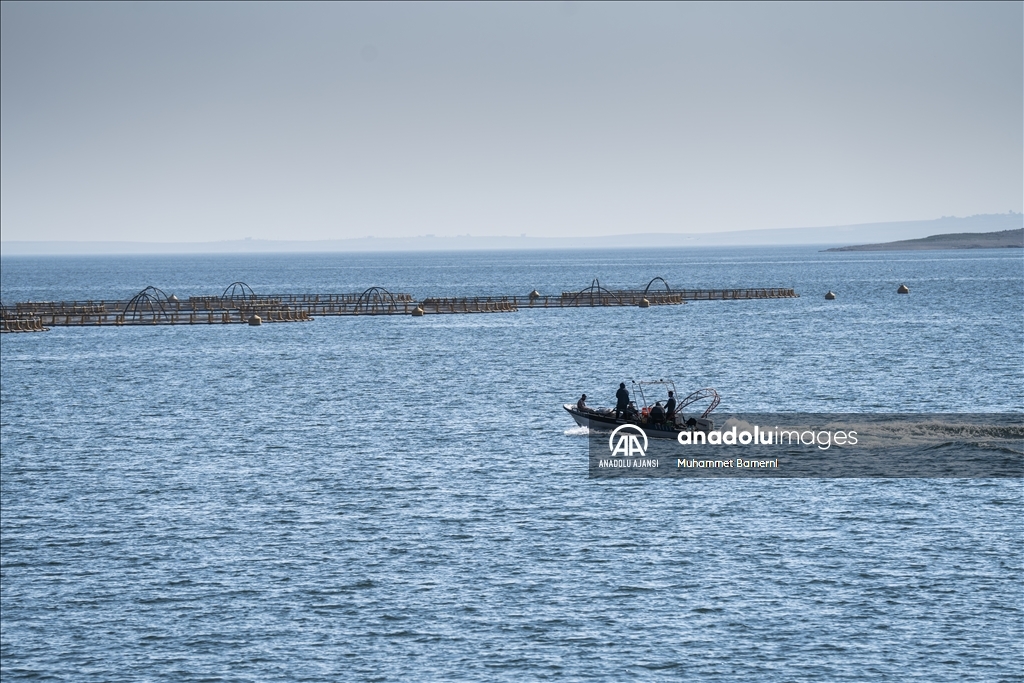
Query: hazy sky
x=183, y=122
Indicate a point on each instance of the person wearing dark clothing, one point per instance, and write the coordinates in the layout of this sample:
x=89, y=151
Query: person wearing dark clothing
x=657, y=414
x=621, y=400
x=670, y=407
x=581, y=405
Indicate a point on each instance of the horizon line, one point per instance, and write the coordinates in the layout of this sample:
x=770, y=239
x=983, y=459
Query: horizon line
x=802, y=236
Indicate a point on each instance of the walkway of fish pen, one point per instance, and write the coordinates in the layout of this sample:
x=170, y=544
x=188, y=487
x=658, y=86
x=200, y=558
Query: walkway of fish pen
x=239, y=304
x=11, y=321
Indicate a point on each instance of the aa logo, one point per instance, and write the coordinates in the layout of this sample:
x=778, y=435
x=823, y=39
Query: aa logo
x=627, y=445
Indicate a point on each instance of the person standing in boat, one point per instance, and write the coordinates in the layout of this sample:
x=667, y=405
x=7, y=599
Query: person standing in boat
x=621, y=400
x=581, y=405
x=670, y=407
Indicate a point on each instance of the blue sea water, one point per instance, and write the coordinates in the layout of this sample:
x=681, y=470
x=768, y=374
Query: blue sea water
x=398, y=498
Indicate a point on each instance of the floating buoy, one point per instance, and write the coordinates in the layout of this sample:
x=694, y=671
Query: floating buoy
x=172, y=299
x=534, y=295
x=830, y=295
x=255, y=320
x=644, y=303
x=417, y=312
x=903, y=290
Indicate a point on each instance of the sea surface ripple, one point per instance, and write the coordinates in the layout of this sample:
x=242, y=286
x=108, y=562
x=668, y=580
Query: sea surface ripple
x=393, y=498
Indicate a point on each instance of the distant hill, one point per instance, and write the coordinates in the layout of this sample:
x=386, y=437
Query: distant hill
x=835, y=235
x=958, y=240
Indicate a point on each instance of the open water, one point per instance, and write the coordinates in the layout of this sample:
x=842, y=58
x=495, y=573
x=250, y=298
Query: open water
x=393, y=498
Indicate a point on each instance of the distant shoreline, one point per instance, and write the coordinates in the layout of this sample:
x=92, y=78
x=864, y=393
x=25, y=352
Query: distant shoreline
x=821, y=237
x=1003, y=239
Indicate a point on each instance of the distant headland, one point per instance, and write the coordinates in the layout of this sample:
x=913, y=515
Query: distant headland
x=824, y=236
x=958, y=240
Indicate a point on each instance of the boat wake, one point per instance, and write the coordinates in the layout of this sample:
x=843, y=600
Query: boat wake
x=577, y=431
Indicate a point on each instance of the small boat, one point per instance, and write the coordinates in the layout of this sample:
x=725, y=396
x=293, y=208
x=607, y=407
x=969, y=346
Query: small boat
x=644, y=394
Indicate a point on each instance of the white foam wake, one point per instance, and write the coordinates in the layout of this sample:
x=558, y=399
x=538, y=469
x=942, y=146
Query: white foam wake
x=577, y=431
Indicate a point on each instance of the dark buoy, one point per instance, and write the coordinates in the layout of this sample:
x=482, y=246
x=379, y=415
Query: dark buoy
x=830, y=295
x=644, y=303
x=417, y=312
x=903, y=290
x=534, y=295
x=255, y=320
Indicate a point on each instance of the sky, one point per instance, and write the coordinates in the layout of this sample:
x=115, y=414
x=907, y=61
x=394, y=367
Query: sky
x=177, y=122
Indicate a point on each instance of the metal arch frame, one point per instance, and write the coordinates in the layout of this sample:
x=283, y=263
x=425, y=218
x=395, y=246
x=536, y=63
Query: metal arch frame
x=373, y=297
x=595, y=286
x=648, y=287
x=230, y=292
x=151, y=296
x=698, y=395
